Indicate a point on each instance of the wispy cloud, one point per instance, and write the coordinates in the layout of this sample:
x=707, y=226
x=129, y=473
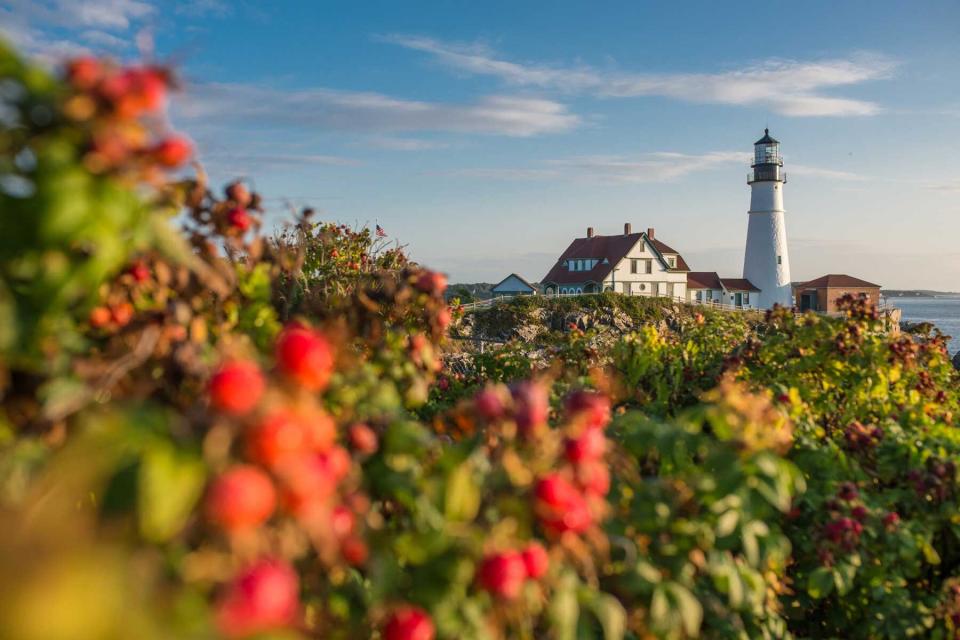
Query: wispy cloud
x=37, y=26
x=204, y=8
x=286, y=159
x=373, y=112
x=103, y=39
x=655, y=167
x=522, y=174
x=788, y=87
x=948, y=187
x=393, y=143
x=830, y=174
x=662, y=166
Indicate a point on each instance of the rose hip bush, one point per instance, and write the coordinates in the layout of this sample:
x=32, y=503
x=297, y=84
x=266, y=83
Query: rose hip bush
x=210, y=432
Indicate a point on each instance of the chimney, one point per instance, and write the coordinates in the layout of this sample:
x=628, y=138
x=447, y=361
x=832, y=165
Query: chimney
x=589, y=232
x=650, y=233
x=627, y=229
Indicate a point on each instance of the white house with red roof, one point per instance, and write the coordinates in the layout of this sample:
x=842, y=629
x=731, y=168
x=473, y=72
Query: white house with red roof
x=629, y=263
x=707, y=287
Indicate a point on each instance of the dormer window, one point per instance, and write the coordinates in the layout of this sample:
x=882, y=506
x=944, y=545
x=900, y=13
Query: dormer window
x=672, y=261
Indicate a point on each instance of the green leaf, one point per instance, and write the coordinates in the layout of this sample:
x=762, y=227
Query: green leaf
x=170, y=484
x=820, y=583
x=727, y=523
x=691, y=613
x=660, y=608
x=462, y=499
x=929, y=553
x=843, y=576
x=673, y=606
x=612, y=616
x=564, y=608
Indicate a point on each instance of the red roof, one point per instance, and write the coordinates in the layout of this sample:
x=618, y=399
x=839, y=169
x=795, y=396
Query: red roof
x=664, y=249
x=738, y=284
x=837, y=280
x=609, y=248
x=703, y=280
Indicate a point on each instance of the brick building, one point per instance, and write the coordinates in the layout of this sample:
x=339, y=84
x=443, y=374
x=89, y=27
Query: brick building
x=822, y=294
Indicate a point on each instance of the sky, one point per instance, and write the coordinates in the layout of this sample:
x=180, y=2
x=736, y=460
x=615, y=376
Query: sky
x=485, y=136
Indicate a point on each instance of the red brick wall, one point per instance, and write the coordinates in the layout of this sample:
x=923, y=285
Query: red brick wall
x=827, y=298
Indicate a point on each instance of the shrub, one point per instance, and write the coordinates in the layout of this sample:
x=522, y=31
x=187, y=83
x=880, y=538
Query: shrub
x=208, y=432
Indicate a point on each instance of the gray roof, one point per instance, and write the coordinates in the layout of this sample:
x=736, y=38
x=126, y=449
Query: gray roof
x=518, y=277
x=767, y=138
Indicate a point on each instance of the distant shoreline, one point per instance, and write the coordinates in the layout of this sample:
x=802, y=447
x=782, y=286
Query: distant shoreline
x=917, y=293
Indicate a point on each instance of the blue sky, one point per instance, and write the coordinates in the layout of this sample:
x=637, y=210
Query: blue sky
x=486, y=135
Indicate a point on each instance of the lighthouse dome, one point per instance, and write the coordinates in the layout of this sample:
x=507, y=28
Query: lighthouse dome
x=767, y=138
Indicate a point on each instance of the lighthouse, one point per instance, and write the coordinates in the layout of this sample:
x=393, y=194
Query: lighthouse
x=766, y=262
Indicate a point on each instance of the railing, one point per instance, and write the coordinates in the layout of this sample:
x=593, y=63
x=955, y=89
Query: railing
x=492, y=301
x=762, y=176
x=710, y=304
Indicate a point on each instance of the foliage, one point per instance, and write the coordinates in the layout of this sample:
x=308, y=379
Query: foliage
x=212, y=433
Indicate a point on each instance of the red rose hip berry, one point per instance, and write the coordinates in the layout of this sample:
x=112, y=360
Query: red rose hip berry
x=236, y=387
x=409, y=623
x=587, y=447
x=503, y=574
x=535, y=560
x=239, y=219
x=100, y=317
x=286, y=435
x=262, y=597
x=84, y=72
x=363, y=439
x=531, y=407
x=242, y=498
x=172, y=152
x=593, y=407
x=305, y=357
x=139, y=271
x=489, y=402
x=432, y=282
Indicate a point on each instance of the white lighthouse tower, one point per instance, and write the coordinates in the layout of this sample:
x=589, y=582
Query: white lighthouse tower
x=765, y=262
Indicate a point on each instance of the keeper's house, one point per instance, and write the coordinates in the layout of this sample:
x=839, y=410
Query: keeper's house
x=629, y=263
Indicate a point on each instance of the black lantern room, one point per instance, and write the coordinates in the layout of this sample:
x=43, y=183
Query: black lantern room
x=767, y=163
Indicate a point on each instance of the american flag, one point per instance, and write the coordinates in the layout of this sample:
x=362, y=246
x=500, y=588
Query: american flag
x=380, y=232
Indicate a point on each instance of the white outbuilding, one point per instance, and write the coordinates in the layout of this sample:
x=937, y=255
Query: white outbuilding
x=513, y=285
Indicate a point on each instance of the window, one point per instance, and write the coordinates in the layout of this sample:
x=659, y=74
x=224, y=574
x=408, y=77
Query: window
x=643, y=286
x=672, y=261
x=634, y=266
x=746, y=298
x=779, y=259
x=641, y=249
x=699, y=295
x=579, y=290
x=648, y=268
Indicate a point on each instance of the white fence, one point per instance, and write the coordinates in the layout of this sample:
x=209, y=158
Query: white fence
x=481, y=304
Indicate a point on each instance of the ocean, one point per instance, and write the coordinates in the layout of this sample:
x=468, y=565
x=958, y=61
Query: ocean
x=943, y=312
